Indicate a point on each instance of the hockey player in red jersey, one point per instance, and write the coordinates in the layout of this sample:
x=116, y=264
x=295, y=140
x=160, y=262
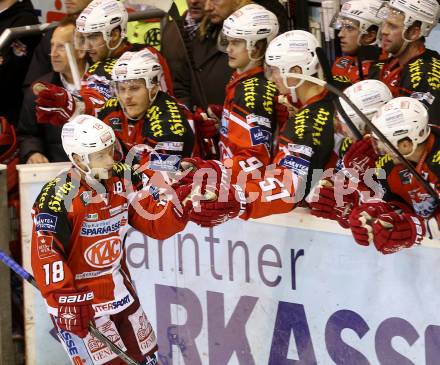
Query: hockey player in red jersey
x=306, y=140
x=412, y=70
x=358, y=26
x=333, y=199
x=79, y=220
x=390, y=224
x=248, y=118
x=101, y=30
x=145, y=117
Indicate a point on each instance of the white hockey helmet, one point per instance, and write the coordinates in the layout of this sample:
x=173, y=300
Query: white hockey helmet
x=251, y=23
x=138, y=65
x=103, y=16
x=363, y=13
x=368, y=96
x=290, y=49
x=403, y=117
x=424, y=11
x=84, y=135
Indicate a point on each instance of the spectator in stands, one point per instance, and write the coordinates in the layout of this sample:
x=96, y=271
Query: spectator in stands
x=15, y=57
x=41, y=143
x=41, y=63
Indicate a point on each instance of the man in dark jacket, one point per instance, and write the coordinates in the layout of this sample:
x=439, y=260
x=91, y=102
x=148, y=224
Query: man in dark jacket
x=41, y=143
x=15, y=57
x=40, y=64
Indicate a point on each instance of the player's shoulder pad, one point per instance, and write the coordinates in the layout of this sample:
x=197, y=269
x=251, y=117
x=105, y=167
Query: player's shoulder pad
x=103, y=68
x=110, y=106
x=256, y=94
x=345, y=146
x=433, y=159
x=166, y=118
x=313, y=119
x=384, y=162
x=56, y=195
x=126, y=172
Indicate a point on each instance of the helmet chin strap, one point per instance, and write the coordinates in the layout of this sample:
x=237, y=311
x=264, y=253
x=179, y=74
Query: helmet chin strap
x=292, y=89
x=402, y=47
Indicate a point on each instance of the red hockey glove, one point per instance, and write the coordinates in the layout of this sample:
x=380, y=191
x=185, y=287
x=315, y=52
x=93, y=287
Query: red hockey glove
x=93, y=100
x=362, y=218
x=202, y=173
x=359, y=157
x=55, y=105
x=184, y=203
x=206, y=127
x=215, y=111
x=215, y=212
x=394, y=231
x=75, y=310
x=324, y=204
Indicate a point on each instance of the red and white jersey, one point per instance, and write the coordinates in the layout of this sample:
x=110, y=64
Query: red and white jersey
x=306, y=144
x=77, y=235
x=249, y=120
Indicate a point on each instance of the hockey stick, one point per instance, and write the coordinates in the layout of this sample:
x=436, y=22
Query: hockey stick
x=20, y=271
x=323, y=60
x=373, y=128
x=10, y=34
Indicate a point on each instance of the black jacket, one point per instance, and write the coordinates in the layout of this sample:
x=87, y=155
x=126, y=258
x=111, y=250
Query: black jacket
x=15, y=58
x=211, y=66
x=33, y=137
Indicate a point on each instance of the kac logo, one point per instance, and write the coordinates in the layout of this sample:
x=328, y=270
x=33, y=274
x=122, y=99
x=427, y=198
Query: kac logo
x=104, y=252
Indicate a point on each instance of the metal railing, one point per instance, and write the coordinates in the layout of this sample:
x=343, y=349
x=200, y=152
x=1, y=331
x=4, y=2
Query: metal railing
x=11, y=34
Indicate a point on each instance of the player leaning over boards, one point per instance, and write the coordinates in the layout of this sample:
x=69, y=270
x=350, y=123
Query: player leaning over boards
x=412, y=70
x=78, y=260
x=101, y=30
x=404, y=122
x=306, y=141
x=357, y=24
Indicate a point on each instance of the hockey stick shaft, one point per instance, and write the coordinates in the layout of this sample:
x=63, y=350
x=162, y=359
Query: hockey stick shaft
x=20, y=271
x=323, y=60
x=374, y=129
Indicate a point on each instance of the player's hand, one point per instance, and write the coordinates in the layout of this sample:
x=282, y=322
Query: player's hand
x=324, y=204
x=93, y=100
x=228, y=205
x=206, y=127
x=184, y=203
x=54, y=104
x=202, y=172
x=75, y=310
x=394, y=231
x=362, y=218
x=360, y=157
x=215, y=111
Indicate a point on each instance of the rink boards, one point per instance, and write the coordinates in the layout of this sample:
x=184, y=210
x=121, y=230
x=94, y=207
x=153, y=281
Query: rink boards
x=289, y=289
